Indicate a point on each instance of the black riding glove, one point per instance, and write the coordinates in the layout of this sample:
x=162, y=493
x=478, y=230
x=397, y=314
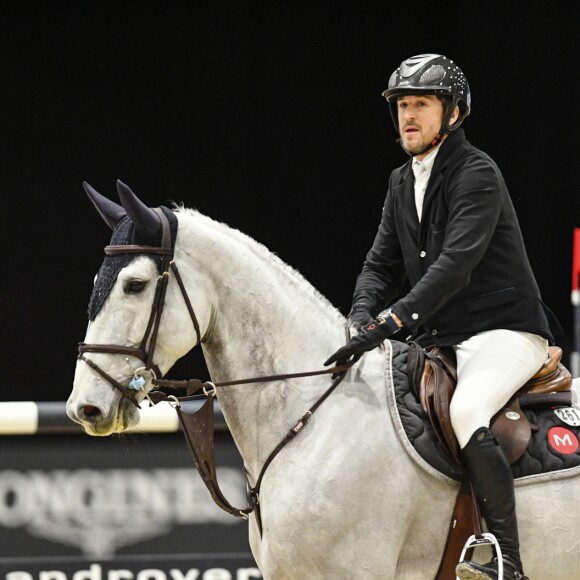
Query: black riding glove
x=370, y=337
x=359, y=316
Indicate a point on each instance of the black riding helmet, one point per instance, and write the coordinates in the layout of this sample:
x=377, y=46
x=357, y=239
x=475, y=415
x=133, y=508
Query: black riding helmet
x=432, y=74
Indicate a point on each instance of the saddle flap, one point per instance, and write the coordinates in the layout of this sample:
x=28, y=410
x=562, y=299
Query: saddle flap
x=428, y=400
x=437, y=385
x=512, y=430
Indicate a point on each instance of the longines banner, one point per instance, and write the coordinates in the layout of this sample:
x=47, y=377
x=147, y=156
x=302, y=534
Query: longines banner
x=131, y=507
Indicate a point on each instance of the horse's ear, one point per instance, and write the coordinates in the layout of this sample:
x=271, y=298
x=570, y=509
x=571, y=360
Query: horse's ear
x=145, y=220
x=110, y=211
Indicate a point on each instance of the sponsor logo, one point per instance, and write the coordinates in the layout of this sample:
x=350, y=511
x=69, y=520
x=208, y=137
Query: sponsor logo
x=562, y=440
x=97, y=572
x=99, y=511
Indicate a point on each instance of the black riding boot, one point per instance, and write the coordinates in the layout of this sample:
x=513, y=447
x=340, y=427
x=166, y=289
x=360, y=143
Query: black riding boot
x=492, y=479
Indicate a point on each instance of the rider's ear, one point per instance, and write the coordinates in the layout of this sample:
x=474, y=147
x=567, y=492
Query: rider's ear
x=145, y=220
x=110, y=211
x=454, y=116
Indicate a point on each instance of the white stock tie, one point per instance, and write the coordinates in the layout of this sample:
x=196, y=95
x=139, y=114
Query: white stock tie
x=421, y=180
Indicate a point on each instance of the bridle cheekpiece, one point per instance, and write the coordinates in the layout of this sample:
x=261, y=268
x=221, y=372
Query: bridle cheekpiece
x=145, y=352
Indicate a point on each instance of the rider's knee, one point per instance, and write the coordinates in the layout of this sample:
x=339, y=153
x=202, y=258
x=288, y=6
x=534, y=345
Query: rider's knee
x=466, y=417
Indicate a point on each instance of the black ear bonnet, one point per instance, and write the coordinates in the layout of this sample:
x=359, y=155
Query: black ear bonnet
x=125, y=234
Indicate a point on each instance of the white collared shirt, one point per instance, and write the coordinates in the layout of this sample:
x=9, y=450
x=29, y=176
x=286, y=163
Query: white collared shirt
x=422, y=171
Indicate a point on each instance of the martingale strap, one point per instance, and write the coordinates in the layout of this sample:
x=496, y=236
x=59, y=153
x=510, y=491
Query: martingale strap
x=198, y=429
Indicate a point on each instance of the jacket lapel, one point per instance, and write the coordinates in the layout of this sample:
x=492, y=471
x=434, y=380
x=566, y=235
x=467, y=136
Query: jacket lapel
x=448, y=147
x=430, y=193
x=405, y=192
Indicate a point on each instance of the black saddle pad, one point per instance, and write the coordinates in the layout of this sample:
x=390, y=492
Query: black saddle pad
x=554, y=445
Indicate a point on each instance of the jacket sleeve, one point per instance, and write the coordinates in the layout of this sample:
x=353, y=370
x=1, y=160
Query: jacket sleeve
x=383, y=271
x=474, y=197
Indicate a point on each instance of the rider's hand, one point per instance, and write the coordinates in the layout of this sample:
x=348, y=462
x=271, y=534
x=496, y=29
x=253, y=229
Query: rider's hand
x=370, y=337
x=359, y=316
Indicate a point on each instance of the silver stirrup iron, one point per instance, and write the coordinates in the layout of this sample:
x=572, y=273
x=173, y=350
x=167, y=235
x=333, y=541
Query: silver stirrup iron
x=486, y=539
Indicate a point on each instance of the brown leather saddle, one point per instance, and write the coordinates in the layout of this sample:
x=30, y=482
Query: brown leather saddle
x=549, y=387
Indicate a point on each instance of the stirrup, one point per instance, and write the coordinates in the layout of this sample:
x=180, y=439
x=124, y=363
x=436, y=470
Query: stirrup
x=486, y=539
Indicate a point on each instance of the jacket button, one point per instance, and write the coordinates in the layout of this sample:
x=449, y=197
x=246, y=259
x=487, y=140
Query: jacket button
x=434, y=332
x=414, y=316
x=423, y=253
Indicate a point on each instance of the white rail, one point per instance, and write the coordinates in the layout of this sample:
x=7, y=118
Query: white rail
x=36, y=418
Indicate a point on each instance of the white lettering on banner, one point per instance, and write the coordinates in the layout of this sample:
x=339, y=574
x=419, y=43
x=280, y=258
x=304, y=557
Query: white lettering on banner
x=100, y=511
x=152, y=574
x=95, y=573
x=120, y=575
x=19, y=575
x=191, y=574
x=52, y=575
x=217, y=574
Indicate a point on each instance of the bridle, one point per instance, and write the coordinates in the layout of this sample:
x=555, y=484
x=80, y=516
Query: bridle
x=145, y=352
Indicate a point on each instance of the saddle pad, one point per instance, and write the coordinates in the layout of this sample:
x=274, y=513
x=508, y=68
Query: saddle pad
x=554, y=446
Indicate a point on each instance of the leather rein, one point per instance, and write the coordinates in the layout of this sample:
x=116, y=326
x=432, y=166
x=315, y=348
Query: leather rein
x=198, y=428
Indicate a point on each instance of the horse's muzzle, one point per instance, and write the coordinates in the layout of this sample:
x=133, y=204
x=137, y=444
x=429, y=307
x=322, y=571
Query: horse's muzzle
x=97, y=422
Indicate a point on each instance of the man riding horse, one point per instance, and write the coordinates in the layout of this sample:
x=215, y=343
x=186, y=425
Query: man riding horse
x=449, y=235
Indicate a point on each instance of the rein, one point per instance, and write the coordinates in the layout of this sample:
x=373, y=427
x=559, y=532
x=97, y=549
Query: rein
x=197, y=427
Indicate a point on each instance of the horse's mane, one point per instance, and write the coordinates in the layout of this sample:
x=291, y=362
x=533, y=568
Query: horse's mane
x=292, y=275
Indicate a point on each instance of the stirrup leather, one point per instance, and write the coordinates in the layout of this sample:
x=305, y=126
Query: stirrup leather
x=486, y=539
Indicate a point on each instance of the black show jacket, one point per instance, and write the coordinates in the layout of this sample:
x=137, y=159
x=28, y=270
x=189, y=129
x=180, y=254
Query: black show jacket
x=465, y=263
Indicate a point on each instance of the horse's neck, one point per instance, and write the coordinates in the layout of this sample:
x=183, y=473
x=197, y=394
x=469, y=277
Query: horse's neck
x=266, y=320
x=267, y=324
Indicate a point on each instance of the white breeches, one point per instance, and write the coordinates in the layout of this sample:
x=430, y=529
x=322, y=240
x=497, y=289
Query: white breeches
x=491, y=367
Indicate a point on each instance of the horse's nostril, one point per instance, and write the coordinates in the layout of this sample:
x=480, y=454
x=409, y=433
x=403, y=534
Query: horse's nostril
x=90, y=412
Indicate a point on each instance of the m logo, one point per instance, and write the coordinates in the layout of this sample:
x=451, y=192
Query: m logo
x=562, y=440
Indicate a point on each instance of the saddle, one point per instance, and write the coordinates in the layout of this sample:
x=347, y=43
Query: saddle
x=433, y=376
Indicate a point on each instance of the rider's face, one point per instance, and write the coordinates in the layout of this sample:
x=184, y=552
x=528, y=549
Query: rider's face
x=420, y=119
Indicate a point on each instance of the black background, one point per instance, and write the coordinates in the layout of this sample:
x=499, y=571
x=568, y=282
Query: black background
x=267, y=116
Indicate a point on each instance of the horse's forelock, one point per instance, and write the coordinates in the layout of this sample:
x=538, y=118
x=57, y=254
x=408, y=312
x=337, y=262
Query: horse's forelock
x=124, y=234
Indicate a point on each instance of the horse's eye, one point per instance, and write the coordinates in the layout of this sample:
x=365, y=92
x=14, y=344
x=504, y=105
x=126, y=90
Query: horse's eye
x=134, y=286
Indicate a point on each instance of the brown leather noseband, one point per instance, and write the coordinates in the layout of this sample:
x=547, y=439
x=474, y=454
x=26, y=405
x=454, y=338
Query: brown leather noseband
x=145, y=352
